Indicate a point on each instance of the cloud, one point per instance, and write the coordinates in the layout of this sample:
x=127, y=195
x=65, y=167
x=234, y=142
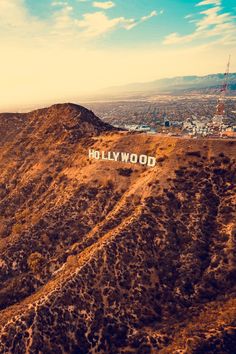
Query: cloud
x=63, y=24
x=152, y=14
x=12, y=13
x=98, y=23
x=133, y=23
x=209, y=2
x=104, y=5
x=213, y=24
x=15, y=21
x=61, y=20
x=59, y=3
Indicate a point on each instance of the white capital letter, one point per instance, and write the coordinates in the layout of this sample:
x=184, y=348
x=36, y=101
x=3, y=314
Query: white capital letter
x=151, y=161
x=91, y=154
x=143, y=159
x=103, y=156
x=97, y=155
x=124, y=157
x=133, y=158
x=116, y=155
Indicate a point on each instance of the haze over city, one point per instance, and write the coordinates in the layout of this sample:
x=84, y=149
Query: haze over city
x=62, y=50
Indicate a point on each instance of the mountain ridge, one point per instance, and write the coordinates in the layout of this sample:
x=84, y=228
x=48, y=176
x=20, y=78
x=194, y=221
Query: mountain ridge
x=176, y=84
x=102, y=257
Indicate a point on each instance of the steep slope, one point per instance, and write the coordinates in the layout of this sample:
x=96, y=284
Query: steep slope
x=104, y=257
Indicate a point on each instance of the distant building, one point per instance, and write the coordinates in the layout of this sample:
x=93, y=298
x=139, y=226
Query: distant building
x=144, y=128
x=131, y=127
x=139, y=128
x=176, y=124
x=167, y=123
x=217, y=120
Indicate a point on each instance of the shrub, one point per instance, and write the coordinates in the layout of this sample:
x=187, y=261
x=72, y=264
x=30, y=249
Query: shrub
x=110, y=184
x=35, y=262
x=126, y=172
x=162, y=159
x=193, y=153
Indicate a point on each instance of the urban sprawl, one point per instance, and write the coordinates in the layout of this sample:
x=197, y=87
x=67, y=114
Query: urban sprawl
x=194, y=115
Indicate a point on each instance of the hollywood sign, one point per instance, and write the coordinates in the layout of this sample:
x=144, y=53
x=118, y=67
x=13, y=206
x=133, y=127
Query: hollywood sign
x=124, y=157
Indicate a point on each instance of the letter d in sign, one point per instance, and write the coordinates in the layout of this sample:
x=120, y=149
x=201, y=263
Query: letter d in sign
x=151, y=161
x=143, y=159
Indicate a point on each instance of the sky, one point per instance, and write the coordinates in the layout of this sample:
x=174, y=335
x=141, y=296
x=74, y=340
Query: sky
x=56, y=50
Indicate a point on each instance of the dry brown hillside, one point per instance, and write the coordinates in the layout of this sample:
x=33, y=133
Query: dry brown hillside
x=108, y=257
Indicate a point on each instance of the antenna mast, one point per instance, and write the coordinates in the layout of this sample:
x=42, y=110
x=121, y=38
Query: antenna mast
x=220, y=108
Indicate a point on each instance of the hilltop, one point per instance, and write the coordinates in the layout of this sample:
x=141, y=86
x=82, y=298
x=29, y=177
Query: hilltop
x=52, y=120
x=101, y=257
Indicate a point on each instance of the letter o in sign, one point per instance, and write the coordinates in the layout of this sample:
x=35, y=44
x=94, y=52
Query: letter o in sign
x=143, y=159
x=133, y=158
x=97, y=155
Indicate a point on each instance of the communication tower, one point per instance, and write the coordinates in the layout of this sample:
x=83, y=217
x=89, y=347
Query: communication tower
x=220, y=107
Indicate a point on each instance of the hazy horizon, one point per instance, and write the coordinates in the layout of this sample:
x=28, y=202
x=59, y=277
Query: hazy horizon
x=58, y=50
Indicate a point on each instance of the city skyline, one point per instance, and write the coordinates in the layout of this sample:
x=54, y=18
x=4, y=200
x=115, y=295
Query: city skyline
x=56, y=50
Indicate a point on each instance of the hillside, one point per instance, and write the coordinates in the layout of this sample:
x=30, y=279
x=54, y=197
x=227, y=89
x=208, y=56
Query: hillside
x=106, y=257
